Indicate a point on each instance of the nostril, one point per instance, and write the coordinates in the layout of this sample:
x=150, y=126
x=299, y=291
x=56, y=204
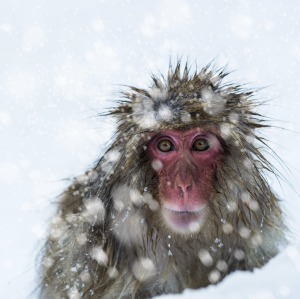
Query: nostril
x=189, y=188
x=184, y=189
x=181, y=191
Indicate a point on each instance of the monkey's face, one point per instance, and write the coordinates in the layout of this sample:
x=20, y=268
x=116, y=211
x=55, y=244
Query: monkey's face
x=185, y=162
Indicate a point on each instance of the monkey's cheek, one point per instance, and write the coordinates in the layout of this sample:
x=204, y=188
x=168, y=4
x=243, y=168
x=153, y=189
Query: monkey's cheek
x=184, y=222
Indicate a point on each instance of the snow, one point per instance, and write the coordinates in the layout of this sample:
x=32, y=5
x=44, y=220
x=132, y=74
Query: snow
x=143, y=269
x=157, y=165
x=99, y=255
x=74, y=294
x=95, y=211
x=214, y=102
x=61, y=63
x=205, y=257
x=279, y=279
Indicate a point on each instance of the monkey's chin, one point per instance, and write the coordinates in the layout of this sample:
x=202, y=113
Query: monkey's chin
x=184, y=222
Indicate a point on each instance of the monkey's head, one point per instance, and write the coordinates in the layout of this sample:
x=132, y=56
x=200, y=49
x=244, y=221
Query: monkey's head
x=179, y=200
x=190, y=139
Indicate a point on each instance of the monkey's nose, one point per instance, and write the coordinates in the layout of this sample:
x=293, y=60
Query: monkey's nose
x=184, y=188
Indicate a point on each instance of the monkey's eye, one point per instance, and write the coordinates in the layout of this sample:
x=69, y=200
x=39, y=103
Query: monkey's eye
x=200, y=145
x=165, y=145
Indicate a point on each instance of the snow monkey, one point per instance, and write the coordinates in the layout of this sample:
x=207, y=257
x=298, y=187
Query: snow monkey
x=179, y=199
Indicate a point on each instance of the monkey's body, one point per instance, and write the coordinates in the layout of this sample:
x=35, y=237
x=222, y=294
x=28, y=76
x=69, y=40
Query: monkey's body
x=115, y=235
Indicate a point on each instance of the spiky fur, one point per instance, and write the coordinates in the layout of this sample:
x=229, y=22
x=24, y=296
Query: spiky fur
x=244, y=227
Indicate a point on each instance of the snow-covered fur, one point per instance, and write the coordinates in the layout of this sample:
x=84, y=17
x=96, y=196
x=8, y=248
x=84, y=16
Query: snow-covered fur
x=108, y=239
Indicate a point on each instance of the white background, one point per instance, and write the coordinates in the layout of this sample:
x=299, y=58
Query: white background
x=61, y=63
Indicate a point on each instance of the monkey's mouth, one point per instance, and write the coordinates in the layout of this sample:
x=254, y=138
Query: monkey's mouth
x=184, y=221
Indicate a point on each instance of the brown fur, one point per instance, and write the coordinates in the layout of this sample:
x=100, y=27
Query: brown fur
x=108, y=239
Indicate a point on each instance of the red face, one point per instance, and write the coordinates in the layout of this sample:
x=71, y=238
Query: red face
x=185, y=162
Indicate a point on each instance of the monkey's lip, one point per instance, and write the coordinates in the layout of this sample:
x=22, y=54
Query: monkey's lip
x=185, y=221
x=185, y=211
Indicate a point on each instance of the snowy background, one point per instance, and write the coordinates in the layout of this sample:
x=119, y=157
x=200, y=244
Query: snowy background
x=61, y=63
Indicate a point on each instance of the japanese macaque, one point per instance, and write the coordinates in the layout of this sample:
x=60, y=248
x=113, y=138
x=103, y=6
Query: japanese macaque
x=179, y=199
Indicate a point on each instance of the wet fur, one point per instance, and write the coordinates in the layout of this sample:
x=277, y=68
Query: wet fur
x=244, y=215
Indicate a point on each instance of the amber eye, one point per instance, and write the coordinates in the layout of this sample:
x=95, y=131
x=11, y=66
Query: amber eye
x=200, y=145
x=165, y=145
